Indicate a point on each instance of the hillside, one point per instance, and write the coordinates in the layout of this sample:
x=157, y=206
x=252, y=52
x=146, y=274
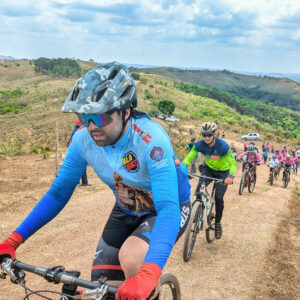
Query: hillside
x=37, y=100
x=278, y=91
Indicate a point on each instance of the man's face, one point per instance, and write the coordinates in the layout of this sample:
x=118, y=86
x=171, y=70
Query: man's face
x=208, y=137
x=106, y=135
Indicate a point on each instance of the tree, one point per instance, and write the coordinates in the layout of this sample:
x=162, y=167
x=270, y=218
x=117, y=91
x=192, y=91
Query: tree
x=166, y=107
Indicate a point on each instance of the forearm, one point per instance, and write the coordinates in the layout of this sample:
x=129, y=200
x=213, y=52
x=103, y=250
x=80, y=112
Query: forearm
x=190, y=157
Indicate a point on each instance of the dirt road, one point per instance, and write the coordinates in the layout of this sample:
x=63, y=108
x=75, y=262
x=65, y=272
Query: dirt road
x=235, y=267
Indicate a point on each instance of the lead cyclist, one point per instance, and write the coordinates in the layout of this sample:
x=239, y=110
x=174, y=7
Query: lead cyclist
x=135, y=158
x=219, y=163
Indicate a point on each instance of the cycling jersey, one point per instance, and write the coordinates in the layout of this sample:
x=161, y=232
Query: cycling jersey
x=141, y=172
x=218, y=157
x=251, y=157
x=273, y=163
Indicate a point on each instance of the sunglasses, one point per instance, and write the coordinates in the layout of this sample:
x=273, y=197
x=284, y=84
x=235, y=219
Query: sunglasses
x=98, y=119
x=207, y=134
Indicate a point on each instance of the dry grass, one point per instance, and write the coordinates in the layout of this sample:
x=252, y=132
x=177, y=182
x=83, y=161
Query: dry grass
x=280, y=275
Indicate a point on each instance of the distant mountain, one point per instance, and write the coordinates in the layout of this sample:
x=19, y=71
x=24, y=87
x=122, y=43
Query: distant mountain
x=2, y=57
x=278, y=91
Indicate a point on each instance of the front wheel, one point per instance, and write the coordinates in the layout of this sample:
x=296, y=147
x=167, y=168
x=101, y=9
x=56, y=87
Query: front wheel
x=286, y=179
x=242, y=183
x=192, y=230
x=252, y=183
x=169, y=287
x=210, y=230
x=271, y=178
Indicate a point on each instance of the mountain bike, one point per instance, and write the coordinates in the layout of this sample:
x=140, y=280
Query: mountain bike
x=273, y=175
x=286, y=177
x=169, y=285
x=202, y=214
x=248, y=178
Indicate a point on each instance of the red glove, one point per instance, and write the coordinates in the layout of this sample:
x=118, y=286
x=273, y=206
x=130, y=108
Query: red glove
x=9, y=246
x=140, y=286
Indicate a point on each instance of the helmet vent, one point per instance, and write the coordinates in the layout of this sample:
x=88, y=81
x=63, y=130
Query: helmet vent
x=99, y=95
x=127, y=92
x=75, y=93
x=113, y=73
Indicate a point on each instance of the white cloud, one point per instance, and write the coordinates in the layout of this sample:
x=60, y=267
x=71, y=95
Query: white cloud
x=191, y=33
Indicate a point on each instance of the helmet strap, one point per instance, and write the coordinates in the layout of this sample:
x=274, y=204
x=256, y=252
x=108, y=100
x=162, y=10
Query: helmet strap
x=124, y=123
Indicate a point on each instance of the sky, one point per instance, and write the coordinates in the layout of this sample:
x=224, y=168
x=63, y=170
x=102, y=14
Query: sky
x=236, y=35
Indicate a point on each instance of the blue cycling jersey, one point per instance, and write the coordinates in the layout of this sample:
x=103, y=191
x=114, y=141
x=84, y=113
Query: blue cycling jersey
x=141, y=172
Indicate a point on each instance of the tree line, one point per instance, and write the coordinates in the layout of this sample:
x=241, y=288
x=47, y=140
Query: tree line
x=264, y=112
x=61, y=67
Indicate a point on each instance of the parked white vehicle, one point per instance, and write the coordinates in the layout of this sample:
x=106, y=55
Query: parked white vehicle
x=251, y=136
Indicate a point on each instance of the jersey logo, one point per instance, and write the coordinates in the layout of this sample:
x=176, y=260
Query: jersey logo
x=146, y=137
x=130, y=162
x=157, y=153
x=214, y=156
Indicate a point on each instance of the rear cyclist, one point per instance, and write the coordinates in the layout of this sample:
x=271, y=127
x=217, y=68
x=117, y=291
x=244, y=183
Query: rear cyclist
x=134, y=157
x=219, y=163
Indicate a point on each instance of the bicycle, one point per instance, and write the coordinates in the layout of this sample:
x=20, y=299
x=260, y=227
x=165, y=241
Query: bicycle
x=286, y=177
x=202, y=213
x=248, y=178
x=169, y=285
x=273, y=175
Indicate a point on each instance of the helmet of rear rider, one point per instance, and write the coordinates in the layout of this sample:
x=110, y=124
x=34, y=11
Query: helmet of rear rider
x=274, y=156
x=106, y=88
x=288, y=156
x=193, y=140
x=250, y=148
x=208, y=127
x=277, y=151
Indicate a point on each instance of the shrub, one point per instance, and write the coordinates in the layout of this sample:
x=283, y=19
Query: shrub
x=14, y=147
x=166, y=107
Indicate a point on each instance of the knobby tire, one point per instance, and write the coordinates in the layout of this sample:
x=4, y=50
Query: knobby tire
x=191, y=231
x=169, y=287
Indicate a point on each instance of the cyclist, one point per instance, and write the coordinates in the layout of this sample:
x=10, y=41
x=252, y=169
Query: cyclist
x=189, y=147
x=295, y=158
x=265, y=155
x=273, y=164
x=252, y=157
x=134, y=157
x=288, y=164
x=219, y=163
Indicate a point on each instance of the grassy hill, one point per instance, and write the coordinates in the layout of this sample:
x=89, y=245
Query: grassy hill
x=278, y=91
x=36, y=102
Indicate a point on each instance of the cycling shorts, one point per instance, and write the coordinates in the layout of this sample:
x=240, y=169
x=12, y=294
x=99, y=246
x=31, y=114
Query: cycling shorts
x=119, y=227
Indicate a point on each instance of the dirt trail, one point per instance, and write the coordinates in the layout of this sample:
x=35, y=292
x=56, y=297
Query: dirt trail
x=229, y=268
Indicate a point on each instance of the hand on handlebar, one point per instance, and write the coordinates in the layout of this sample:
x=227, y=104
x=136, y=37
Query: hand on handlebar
x=228, y=180
x=9, y=246
x=141, y=285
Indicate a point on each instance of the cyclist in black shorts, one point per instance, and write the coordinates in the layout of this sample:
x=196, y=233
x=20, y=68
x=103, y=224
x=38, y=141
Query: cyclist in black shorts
x=134, y=157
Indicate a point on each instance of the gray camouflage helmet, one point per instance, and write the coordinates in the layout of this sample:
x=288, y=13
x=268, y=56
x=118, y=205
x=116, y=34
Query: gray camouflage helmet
x=106, y=88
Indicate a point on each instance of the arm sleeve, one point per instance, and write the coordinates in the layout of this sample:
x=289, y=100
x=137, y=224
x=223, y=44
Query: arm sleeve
x=232, y=163
x=57, y=196
x=189, y=158
x=164, y=187
x=242, y=154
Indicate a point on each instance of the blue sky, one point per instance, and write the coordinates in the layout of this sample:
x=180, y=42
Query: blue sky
x=241, y=35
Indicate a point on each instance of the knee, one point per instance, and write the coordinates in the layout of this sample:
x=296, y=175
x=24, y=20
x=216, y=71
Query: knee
x=131, y=261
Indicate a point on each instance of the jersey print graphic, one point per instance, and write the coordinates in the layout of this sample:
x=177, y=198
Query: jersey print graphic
x=132, y=199
x=157, y=153
x=130, y=162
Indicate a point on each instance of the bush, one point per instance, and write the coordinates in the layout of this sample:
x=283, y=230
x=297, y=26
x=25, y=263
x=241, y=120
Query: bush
x=63, y=67
x=135, y=76
x=166, y=107
x=14, y=147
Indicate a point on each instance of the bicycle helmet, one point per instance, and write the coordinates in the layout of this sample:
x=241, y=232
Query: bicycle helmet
x=250, y=148
x=274, y=156
x=208, y=127
x=193, y=140
x=288, y=156
x=77, y=122
x=106, y=88
x=277, y=151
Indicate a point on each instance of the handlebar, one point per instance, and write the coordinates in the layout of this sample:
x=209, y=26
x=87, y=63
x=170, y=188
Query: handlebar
x=14, y=268
x=216, y=180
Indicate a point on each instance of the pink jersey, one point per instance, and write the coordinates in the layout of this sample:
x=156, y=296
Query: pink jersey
x=279, y=156
x=289, y=162
x=251, y=157
x=283, y=154
x=294, y=158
